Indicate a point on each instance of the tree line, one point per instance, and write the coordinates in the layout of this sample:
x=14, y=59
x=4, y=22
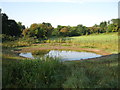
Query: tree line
x=45, y=30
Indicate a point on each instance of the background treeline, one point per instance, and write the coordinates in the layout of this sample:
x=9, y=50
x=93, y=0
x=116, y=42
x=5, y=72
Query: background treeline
x=11, y=29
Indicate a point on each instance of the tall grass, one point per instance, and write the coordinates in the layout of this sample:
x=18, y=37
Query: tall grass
x=105, y=41
x=21, y=42
x=51, y=73
x=102, y=73
x=102, y=41
x=33, y=74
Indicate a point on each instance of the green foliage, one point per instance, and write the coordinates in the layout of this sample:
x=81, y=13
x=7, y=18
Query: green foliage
x=102, y=73
x=51, y=73
x=70, y=31
x=115, y=21
x=40, y=52
x=20, y=42
x=7, y=38
x=48, y=73
x=21, y=27
x=105, y=41
x=64, y=31
x=10, y=27
x=43, y=30
x=78, y=79
x=55, y=32
x=103, y=26
x=112, y=28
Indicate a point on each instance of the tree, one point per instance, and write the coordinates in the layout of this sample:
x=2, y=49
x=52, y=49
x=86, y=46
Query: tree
x=43, y=30
x=26, y=32
x=72, y=31
x=103, y=27
x=13, y=28
x=115, y=21
x=10, y=27
x=81, y=30
x=21, y=27
x=55, y=32
x=64, y=31
x=112, y=28
x=4, y=23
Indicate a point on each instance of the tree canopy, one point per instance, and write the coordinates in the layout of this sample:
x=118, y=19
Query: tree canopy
x=9, y=26
x=45, y=30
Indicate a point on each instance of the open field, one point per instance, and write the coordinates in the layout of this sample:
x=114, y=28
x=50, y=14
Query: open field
x=102, y=43
x=105, y=41
x=59, y=44
x=100, y=72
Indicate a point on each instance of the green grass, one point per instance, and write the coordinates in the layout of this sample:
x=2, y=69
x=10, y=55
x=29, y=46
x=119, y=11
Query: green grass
x=51, y=73
x=48, y=73
x=106, y=41
x=21, y=42
x=102, y=72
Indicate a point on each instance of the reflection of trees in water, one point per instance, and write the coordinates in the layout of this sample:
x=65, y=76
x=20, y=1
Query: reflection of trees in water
x=40, y=52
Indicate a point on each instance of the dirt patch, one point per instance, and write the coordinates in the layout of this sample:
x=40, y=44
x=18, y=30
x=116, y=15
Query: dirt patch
x=73, y=48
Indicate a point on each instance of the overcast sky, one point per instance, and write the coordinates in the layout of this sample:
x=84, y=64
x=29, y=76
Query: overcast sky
x=60, y=12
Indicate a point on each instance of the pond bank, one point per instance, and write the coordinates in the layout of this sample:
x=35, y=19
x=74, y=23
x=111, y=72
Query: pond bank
x=30, y=49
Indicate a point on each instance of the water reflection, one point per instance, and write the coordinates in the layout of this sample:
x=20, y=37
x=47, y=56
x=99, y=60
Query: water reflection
x=64, y=55
x=27, y=55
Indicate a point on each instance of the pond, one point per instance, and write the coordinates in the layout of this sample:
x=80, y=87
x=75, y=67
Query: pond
x=63, y=55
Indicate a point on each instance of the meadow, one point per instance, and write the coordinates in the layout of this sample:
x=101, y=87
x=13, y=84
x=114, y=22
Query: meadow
x=103, y=41
x=19, y=72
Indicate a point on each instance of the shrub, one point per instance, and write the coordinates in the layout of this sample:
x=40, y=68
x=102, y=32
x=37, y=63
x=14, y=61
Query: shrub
x=47, y=73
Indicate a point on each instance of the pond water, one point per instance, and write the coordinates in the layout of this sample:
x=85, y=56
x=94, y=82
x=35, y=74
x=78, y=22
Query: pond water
x=64, y=55
x=27, y=55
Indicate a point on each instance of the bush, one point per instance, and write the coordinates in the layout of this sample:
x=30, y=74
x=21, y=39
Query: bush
x=7, y=38
x=24, y=41
x=47, y=73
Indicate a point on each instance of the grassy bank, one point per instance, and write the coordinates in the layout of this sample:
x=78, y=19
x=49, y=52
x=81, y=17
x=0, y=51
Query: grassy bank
x=101, y=72
x=51, y=73
x=106, y=41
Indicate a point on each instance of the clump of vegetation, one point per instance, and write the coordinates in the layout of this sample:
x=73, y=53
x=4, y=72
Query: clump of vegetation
x=94, y=74
x=46, y=30
x=103, y=41
x=40, y=52
x=24, y=41
x=48, y=73
x=51, y=73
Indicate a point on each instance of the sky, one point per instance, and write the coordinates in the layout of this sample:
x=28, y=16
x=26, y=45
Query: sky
x=60, y=12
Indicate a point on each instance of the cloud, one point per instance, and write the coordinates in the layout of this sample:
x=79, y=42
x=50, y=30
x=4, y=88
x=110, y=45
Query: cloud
x=67, y=1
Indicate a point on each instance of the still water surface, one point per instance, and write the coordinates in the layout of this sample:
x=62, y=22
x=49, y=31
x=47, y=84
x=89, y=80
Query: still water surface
x=64, y=55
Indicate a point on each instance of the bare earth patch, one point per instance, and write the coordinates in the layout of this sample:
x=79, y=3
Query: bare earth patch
x=58, y=47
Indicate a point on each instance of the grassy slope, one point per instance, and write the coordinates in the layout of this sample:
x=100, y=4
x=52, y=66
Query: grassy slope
x=103, y=41
x=50, y=73
x=93, y=73
x=107, y=42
